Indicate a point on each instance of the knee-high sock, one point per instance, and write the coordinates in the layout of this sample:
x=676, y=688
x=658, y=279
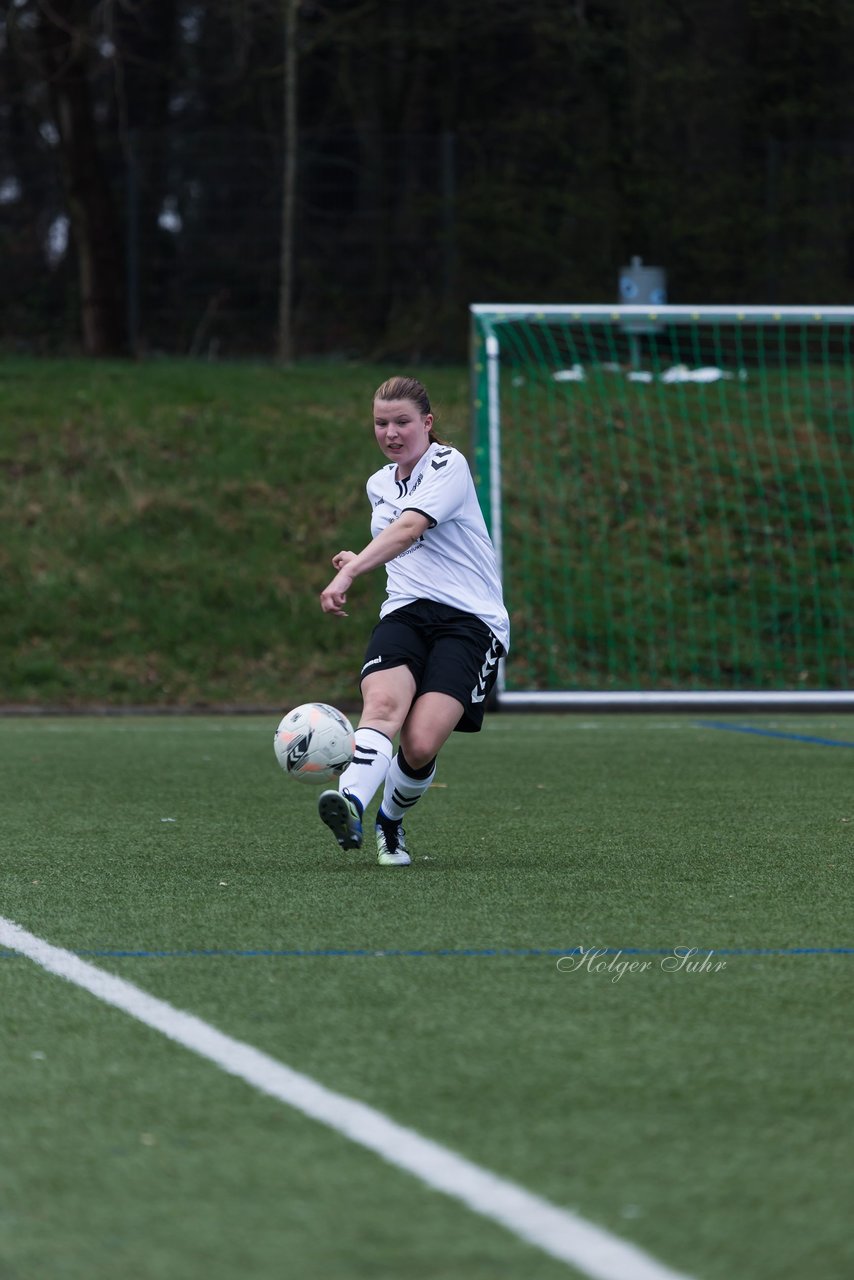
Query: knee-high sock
x=403, y=786
x=367, y=770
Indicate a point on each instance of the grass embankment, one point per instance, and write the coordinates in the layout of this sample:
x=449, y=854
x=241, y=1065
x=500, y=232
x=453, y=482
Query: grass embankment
x=167, y=528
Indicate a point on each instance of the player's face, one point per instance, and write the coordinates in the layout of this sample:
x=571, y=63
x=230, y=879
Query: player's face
x=403, y=432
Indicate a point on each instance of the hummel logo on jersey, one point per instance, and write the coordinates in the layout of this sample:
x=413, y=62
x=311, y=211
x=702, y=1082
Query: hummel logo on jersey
x=373, y=662
x=444, y=454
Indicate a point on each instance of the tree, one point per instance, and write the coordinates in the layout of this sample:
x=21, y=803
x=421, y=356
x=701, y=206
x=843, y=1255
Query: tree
x=62, y=51
x=290, y=139
x=420, y=157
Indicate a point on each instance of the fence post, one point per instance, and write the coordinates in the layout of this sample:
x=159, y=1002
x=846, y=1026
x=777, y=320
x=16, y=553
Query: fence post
x=132, y=242
x=448, y=183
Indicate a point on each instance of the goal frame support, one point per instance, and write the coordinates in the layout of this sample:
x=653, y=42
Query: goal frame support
x=485, y=355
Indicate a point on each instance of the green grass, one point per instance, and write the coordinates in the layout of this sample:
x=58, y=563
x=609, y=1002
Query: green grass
x=703, y=1116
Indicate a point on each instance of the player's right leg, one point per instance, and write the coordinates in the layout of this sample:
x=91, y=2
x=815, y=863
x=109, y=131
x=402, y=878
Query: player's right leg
x=343, y=817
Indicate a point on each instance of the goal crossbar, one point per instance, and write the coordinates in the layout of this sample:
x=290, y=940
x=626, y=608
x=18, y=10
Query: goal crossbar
x=491, y=314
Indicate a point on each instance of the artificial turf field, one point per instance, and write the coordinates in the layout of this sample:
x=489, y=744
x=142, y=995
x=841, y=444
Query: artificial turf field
x=704, y=1116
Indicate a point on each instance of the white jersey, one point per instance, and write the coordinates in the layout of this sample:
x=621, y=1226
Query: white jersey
x=454, y=561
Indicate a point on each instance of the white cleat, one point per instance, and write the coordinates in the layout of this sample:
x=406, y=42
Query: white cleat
x=391, y=844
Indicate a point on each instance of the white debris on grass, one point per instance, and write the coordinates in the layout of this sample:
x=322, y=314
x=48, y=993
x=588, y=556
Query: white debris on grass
x=677, y=373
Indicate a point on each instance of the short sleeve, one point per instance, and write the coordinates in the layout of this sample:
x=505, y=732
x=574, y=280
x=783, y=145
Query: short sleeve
x=442, y=488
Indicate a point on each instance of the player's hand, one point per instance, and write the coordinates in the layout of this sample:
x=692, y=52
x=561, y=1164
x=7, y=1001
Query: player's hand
x=343, y=557
x=334, y=597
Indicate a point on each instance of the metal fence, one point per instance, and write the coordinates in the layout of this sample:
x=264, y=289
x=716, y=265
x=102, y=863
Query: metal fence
x=396, y=235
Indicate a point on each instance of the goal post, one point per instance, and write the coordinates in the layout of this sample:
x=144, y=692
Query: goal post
x=669, y=492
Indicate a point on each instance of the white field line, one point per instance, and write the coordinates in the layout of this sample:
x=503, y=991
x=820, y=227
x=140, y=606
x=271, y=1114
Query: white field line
x=558, y=1232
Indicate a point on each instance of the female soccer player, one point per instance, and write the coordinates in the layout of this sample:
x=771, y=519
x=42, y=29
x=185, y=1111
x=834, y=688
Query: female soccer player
x=433, y=656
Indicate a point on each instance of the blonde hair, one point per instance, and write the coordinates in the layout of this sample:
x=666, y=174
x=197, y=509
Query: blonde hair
x=401, y=387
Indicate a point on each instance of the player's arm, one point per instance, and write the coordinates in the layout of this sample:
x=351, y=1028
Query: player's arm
x=395, y=538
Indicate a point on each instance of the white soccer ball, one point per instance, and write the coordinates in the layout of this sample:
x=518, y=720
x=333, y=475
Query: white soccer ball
x=314, y=742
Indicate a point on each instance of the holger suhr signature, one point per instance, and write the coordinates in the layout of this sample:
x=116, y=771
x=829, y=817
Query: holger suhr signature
x=615, y=965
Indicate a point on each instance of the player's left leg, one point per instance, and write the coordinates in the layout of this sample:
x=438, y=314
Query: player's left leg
x=431, y=720
x=459, y=674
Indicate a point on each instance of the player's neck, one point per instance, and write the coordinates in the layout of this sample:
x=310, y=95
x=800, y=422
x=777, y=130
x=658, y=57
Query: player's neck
x=403, y=473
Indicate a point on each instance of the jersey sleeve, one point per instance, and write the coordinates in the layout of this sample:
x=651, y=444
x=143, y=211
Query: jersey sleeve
x=443, y=487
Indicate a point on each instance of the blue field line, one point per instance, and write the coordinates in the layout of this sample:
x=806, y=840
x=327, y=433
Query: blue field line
x=773, y=733
x=109, y=953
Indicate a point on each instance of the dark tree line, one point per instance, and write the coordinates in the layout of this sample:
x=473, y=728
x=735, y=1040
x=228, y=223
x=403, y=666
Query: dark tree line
x=432, y=154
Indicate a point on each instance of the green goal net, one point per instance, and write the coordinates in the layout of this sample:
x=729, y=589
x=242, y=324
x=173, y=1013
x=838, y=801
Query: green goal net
x=669, y=492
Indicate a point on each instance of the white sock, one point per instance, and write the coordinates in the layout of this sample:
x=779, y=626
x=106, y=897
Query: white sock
x=367, y=770
x=402, y=791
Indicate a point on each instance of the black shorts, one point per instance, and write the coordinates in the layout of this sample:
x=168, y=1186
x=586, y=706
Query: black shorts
x=446, y=650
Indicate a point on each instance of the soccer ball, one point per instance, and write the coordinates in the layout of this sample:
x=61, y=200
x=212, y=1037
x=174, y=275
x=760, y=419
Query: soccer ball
x=314, y=742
